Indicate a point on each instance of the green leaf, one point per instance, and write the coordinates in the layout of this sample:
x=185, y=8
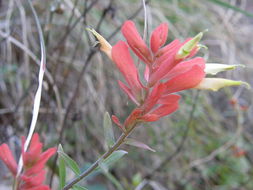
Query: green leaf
x=113, y=180
x=114, y=157
x=227, y=5
x=62, y=169
x=103, y=166
x=214, y=68
x=138, y=144
x=78, y=187
x=108, y=132
x=69, y=161
x=136, y=180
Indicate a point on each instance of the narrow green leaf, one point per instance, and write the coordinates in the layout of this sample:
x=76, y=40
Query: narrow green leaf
x=69, y=161
x=103, y=166
x=108, y=132
x=114, y=157
x=62, y=169
x=113, y=179
x=138, y=144
x=227, y=5
x=78, y=187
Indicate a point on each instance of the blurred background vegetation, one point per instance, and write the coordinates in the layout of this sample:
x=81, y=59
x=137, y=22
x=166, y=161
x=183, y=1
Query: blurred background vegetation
x=206, y=145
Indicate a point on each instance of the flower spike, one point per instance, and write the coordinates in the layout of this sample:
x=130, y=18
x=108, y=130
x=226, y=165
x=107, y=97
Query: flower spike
x=33, y=174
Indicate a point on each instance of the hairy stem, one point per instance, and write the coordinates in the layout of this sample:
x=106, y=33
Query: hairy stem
x=116, y=145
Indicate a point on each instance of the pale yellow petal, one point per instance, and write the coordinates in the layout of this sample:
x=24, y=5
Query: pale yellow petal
x=214, y=68
x=217, y=83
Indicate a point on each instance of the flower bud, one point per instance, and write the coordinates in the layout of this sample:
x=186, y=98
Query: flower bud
x=186, y=49
x=104, y=45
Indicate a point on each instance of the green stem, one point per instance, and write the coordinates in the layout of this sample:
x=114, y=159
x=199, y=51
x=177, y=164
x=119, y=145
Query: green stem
x=116, y=145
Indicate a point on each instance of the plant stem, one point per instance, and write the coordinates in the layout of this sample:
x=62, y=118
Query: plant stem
x=116, y=145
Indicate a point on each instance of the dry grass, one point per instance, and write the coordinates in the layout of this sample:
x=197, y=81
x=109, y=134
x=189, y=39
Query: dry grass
x=80, y=85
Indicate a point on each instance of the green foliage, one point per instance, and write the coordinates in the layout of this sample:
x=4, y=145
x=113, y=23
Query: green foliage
x=108, y=131
x=138, y=144
x=136, y=180
x=78, y=187
x=227, y=5
x=62, y=169
x=113, y=158
x=69, y=161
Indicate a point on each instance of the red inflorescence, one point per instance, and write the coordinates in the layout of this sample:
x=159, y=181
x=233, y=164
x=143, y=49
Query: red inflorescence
x=33, y=174
x=165, y=72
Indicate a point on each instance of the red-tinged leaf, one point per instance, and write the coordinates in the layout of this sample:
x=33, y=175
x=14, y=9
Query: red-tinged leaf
x=189, y=79
x=7, y=157
x=40, y=164
x=149, y=118
x=166, y=51
x=185, y=66
x=138, y=144
x=163, y=65
x=146, y=73
x=133, y=117
x=158, y=37
x=166, y=109
x=135, y=41
x=122, y=58
x=33, y=180
x=169, y=99
x=41, y=187
x=128, y=92
x=115, y=119
x=34, y=150
x=153, y=97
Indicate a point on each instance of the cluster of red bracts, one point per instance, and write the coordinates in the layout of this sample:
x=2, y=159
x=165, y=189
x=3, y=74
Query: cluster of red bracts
x=34, y=160
x=168, y=70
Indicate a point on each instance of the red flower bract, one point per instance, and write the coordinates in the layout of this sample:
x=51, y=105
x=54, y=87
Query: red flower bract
x=169, y=69
x=33, y=174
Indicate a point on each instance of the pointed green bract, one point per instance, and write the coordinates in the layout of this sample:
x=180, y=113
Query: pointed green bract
x=217, y=83
x=108, y=132
x=214, y=68
x=111, y=177
x=186, y=49
x=138, y=144
x=69, y=161
x=62, y=169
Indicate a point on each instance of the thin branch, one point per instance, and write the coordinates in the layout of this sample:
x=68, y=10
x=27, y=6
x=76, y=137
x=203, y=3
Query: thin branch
x=68, y=31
